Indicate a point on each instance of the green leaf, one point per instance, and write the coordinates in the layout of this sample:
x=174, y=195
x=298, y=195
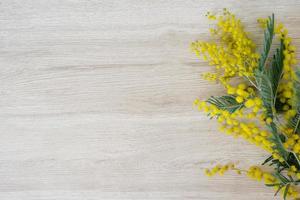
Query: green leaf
x=266, y=91
x=267, y=160
x=267, y=80
x=268, y=37
x=276, y=139
x=293, y=159
x=297, y=90
x=286, y=191
x=227, y=102
x=279, y=188
x=276, y=71
x=282, y=178
x=291, y=178
x=294, y=122
x=272, y=185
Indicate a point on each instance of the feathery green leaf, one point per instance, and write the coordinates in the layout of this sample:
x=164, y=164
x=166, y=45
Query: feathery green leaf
x=294, y=122
x=266, y=91
x=286, y=191
x=268, y=37
x=276, y=70
x=276, y=139
x=227, y=102
x=267, y=160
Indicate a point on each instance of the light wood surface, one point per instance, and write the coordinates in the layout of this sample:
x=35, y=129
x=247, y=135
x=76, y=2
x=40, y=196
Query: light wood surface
x=96, y=100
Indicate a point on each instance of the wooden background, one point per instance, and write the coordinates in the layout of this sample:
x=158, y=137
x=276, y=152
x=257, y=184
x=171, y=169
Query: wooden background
x=96, y=100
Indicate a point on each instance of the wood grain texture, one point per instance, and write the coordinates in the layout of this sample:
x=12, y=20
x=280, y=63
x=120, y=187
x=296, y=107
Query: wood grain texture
x=96, y=100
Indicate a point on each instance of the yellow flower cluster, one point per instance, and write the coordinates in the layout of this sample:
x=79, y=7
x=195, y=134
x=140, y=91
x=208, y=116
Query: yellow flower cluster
x=262, y=22
x=210, y=76
x=254, y=173
x=220, y=169
x=292, y=192
x=285, y=88
x=293, y=171
x=242, y=91
x=235, y=55
x=292, y=142
x=232, y=124
x=257, y=174
x=229, y=57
